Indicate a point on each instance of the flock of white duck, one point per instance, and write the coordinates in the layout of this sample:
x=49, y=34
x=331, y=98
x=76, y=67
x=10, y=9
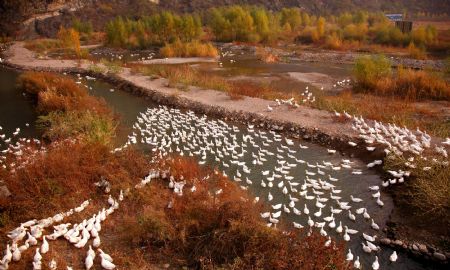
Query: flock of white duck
x=309, y=190
x=37, y=235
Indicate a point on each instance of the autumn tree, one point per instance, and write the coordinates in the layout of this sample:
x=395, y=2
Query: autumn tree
x=70, y=39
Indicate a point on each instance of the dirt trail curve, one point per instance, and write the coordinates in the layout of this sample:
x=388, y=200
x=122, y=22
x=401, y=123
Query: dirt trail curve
x=311, y=120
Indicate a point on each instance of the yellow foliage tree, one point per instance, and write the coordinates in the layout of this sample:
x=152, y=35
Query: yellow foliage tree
x=321, y=26
x=70, y=39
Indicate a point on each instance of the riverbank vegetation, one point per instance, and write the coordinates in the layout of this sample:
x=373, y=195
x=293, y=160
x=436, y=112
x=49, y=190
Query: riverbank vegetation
x=258, y=25
x=184, y=76
x=188, y=49
x=402, y=96
x=66, y=44
x=428, y=190
x=66, y=109
x=374, y=75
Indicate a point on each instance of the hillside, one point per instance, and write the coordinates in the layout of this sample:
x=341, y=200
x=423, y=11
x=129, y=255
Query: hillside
x=13, y=13
x=321, y=6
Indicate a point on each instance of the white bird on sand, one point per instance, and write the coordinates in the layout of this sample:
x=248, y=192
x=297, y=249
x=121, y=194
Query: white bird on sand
x=269, y=109
x=369, y=238
x=346, y=236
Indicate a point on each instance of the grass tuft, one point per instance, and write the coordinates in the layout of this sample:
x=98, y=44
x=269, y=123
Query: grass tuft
x=188, y=49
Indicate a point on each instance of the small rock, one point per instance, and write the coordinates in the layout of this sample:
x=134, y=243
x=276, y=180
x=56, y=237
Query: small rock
x=439, y=256
x=415, y=247
x=423, y=248
x=166, y=265
x=385, y=241
x=398, y=243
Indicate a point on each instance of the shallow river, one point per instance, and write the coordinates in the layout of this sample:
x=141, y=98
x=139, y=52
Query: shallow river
x=16, y=111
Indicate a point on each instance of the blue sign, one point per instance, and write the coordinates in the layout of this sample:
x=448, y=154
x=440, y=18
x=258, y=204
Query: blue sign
x=395, y=17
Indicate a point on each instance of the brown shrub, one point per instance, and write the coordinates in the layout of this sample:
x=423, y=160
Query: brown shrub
x=414, y=85
x=189, y=49
x=55, y=92
x=391, y=110
x=64, y=176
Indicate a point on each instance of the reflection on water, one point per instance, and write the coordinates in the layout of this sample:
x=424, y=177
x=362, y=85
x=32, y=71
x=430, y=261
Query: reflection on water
x=15, y=110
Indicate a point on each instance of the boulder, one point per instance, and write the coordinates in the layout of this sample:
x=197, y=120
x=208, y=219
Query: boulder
x=439, y=256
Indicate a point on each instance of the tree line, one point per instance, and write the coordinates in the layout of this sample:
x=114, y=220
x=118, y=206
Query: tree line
x=258, y=25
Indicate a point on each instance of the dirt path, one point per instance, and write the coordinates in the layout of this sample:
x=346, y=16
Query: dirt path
x=305, y=117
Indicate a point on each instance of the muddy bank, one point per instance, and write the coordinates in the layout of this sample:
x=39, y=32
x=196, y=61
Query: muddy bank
x=316, y=79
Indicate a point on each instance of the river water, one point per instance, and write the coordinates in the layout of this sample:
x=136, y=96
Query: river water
x=17, y=111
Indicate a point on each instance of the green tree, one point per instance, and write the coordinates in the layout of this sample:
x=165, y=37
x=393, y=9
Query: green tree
x=291, y=16
x=261, y=22
x=369, y=69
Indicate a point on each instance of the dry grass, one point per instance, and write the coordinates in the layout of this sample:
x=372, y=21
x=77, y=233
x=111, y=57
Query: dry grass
x=266, y=56
x=426, y=116
x=65, y=176
x=413, y=85
x=46, y=46
x=43, y=46
x=183, y=76
x=59, y=93
x=189, y=49
x=373, y=75
x=428, y=192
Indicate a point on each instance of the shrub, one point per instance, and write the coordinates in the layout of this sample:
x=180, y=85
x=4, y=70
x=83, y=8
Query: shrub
x=428, y=190
x=414, y=85
x=55, y=92
x=184, y=76
x=82, y=27
x=333, y=42
x=265, y=55
x=416, y=52
x=188, y=49
x=369, y=69
x=70, y=39
x=85, y=125
x=64, y=176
